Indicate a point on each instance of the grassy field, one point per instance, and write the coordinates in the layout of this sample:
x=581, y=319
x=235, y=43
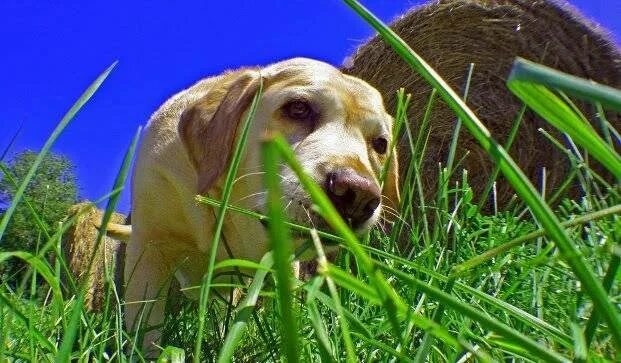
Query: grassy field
x=536, y=281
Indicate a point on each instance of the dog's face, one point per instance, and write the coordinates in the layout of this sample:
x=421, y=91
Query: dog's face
x=335, y=123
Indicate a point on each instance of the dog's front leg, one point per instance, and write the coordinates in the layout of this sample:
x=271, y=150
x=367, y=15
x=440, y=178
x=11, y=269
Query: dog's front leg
x=148, y=274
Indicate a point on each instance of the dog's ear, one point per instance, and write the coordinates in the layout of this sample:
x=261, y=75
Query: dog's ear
x=390, y=191
x=208, y=128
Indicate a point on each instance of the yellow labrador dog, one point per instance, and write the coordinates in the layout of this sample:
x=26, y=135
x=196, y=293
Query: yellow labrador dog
x=336, y=124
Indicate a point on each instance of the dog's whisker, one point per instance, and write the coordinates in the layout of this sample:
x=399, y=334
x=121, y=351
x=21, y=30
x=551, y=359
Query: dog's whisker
x=394, y=215
x=248, y=175
x=385, y=197
x=250, y=196
x=386, y=221
x=394, y=211
x=288, y=205
x=310, y=218
x=282, y=177
x=390, y=212
x=381, y=226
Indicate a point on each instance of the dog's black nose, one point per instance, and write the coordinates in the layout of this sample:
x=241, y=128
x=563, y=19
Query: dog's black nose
x=355, y=197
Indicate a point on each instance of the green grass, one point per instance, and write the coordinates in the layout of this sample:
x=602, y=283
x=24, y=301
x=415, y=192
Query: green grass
x=540, y=286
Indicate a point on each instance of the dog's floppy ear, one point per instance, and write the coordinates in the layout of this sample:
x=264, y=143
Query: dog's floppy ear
x=390, y=190
x=208, y=128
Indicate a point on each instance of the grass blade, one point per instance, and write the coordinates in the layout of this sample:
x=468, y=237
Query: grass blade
x=119, y=182
x=280, y=242
x=226, y=194
x=48, y=144
x=244, y=310
x=530, y=72
x=352, y=284
x=325, y=346
x=530, y=81
x=171, y=354
x=64, y=354
x=11, y=142
x=340, y=311
x=609, y=280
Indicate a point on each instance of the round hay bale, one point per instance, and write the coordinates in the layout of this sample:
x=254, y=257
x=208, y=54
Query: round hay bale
x=451, y=34
x=79, y=244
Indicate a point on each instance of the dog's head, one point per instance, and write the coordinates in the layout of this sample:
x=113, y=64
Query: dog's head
x=335, y=123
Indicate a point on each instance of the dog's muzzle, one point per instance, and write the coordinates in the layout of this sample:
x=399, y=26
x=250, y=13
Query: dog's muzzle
x=355, y=197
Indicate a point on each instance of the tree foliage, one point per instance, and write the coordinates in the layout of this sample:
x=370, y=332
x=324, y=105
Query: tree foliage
x=51, y=192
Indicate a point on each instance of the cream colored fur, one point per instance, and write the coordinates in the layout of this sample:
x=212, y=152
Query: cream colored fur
x=171, y=234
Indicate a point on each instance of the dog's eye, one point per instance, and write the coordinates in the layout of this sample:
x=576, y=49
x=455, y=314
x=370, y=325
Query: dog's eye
x=298, y=110
x=380, y=144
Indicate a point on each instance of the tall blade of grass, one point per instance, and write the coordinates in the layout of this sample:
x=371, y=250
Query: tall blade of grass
x=423, y=349
x=390, y=300
x=226, y=194
x=280, y=242
x=48, y=144
x=326, y=300
x=71, y=331
x=11, y=142
x=245, y=309
x=400, y=120
x=523, y=187
x=64, y=354
x=512, y=134
x=453, y=147
x=385, y=348
x=609, y=280
x=417, y=151
x=530, y=72
x=324, y=346
x=323, y=266
x=604, y=124
x=530, y=81
x=171, y=354
x=263, y=218
x=119, y=182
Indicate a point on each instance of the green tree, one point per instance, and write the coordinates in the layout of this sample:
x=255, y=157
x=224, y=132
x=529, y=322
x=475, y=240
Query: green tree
x=51, y=192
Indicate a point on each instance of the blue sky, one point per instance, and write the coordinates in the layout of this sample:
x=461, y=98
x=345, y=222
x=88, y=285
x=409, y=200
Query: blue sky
x=52, y=50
